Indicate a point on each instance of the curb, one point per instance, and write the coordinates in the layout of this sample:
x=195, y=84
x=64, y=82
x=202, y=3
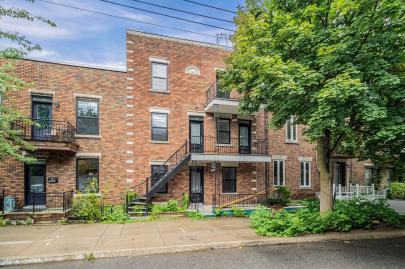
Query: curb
x=358, y=235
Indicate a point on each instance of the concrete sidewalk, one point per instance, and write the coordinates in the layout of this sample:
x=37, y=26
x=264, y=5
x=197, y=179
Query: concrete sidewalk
x=34, y=244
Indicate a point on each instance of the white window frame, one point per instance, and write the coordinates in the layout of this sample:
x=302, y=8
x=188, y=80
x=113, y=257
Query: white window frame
x=292, y=127
x=278, y=161
x=306, y=180
x=166, y=78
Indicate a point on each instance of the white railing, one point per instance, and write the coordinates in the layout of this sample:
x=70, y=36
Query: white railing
x=353, y=191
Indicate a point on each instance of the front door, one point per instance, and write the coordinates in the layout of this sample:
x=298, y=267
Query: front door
x=244, y=137
x=196, y=134
x=196, y=184
x=35, y=184
x=42, y=115
x=341, y=174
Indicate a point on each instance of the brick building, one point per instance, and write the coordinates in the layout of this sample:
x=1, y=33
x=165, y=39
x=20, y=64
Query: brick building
x=162, y=128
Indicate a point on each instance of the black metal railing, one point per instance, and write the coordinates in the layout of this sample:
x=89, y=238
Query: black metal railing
x=143, y=188
x=214, y=91
x=211, y=145
x=2, y=193
x=224, y=200
x=36, y=202
x=46, y=130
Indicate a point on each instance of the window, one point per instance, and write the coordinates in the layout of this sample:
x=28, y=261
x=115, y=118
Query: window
x=305, y=174
x=87, y=117
x=228, y=179
x=220, y=93
x=369, y=175
x=159, y=127
x=278, y=172
x=291, y=130
x=158, y=171
x=224, y=131
x=159, y=77
x=87, y=175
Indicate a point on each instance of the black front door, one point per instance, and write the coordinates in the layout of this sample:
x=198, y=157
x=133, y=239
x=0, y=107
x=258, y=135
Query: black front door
x=35, y=184
x=244, y=137
x=196, y=184
x=196, y=134
x=42, y=115
x=341, y=174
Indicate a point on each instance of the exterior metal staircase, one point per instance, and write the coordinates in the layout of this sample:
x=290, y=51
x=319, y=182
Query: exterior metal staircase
x=138, y=207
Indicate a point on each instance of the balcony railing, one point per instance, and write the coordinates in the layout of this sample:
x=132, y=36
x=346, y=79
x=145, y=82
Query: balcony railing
x=211, y=145
x=46, y=130
x=215, y=92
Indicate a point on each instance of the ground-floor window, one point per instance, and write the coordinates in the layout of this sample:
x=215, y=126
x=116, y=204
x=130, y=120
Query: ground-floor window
x=305, y=174
x=87, y=175
x=278, y=172
x=158, y=171
x=228, y=179
x=369, y=175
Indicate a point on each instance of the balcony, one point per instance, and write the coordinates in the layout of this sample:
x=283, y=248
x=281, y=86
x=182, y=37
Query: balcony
x=49, y=135
x=237, y=150
x=221, y=102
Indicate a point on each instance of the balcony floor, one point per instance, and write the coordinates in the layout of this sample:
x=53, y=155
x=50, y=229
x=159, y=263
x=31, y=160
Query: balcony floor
x=240, y=158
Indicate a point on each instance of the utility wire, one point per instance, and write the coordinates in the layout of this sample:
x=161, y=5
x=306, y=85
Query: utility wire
x=124, y=18
x=166, y=15
x=181, y=10
x=205, y=5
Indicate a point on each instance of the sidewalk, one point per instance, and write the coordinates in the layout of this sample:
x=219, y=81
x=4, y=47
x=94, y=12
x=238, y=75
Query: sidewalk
x=34, y=244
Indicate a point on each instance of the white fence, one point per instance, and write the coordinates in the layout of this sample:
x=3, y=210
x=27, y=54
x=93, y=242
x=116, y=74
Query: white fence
x=352, y=191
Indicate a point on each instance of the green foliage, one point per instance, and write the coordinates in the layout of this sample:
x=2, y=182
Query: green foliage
x=115, y=215
x=397, y=190
x=238, y=212
x=87, y=207
x=172, y=206
x=185, y=200
x=218, y=212
x=338, y=66
x=311, y=204
x=283, y=195
x=348, y=215
x=4, y=222
x=195, y=215
x=11, y=142
x=131, y=195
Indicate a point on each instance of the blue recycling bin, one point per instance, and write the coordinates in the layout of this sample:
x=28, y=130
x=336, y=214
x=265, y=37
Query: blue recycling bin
x=9, y=203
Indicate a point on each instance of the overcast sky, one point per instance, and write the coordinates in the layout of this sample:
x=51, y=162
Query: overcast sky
x=90, y=38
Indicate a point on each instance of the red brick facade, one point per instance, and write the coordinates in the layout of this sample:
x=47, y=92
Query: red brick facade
x=125, y=147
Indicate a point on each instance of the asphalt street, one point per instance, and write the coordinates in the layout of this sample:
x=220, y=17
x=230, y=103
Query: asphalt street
x=385, y=253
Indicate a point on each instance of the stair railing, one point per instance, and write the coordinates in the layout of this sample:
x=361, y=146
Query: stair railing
x=143, y=188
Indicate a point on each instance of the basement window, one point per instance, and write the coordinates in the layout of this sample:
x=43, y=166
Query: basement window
x=158, y=171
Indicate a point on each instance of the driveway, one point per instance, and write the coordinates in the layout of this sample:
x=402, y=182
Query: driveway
x=370, y=254
x=398, y=205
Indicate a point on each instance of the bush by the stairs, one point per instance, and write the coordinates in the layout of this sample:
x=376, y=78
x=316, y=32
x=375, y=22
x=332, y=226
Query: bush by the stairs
x=169, y=206
x=115, y=214
x=397, y=190
x=87, y=207
x=348, y=215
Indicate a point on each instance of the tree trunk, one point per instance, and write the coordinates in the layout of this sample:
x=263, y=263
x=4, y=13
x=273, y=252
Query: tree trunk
x=324, y=164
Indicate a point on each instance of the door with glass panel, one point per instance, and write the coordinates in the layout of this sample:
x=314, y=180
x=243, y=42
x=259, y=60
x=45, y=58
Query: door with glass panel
x=35, y=184
x=196, y=134
x=244, y=137
x=42, y=116
x=196, y=184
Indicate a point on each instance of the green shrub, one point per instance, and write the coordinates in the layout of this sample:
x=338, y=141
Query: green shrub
x=172, y=206
x=351, y=214
x=131, y=195
x=397, y=190
x=311, y=204
x=195, y=215
x=4, y=222
x=87, y=207
x=238, y=212
x=185, y=201
x=283, y=195
x=218, y=212
x=115, y=214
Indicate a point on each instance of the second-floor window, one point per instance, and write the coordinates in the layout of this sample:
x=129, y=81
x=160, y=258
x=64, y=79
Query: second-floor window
x=278, y=172
x=159, y=77
x=291, y=127
x=224, y=131
x=87, y=117
x=159, y=127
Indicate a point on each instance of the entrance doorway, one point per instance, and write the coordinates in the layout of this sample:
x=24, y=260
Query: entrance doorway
x=35, y=192
x=196, y=184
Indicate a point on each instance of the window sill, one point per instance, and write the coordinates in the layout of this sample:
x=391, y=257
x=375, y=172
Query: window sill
x=305, y=188
x=291, y=142
x=88, y=136
x=160, y=91
x=159, y=142
x=98, y=194
x=223, y=145
x=229, y=193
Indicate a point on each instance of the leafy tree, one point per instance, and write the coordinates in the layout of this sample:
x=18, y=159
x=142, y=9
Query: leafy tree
x=337, y=65
x=10, y=138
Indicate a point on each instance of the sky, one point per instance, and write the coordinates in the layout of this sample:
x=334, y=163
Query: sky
x=87, y=38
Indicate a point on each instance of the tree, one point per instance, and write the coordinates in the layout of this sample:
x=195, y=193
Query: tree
x=337, y=65
x=11, y=141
